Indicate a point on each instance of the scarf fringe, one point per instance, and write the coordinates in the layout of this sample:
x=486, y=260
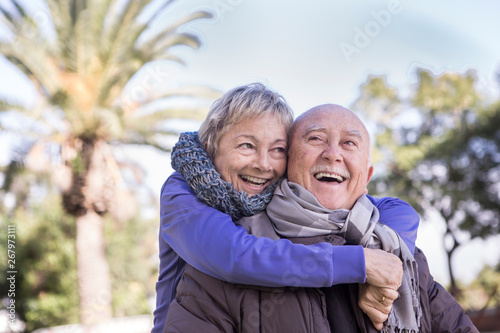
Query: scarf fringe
x=391, y=329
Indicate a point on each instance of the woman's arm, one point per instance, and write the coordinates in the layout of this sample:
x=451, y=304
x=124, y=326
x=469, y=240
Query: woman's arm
x=209, y=241
x=400, y=216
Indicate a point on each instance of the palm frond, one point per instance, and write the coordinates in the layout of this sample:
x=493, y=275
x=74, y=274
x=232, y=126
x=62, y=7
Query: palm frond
x=6, y=105
x=37, y=66
x=6, y=17
x=19, y=8
x=186, y=39
x=15, y=18
x=61, y=17
x=163, y=40
x=119, y=60
x=27, y=37
x=115, y=80
x=100, y=47
x=117, y=33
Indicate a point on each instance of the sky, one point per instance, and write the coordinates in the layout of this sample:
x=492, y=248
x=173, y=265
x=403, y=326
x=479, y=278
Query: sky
x=321, y=51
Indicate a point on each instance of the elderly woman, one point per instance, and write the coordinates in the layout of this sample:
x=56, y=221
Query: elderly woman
x=245, y=138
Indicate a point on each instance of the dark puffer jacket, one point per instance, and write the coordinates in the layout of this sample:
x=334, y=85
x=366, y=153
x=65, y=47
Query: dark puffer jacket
x=440, y=311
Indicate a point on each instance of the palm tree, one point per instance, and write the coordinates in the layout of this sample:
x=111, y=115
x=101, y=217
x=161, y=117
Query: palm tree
x=96, y=68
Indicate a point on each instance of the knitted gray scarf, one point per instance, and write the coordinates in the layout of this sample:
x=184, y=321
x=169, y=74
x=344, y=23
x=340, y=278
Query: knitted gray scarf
x=296, y=212
x=192, y=162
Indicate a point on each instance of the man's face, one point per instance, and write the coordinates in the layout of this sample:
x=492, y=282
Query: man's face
x=329, y=156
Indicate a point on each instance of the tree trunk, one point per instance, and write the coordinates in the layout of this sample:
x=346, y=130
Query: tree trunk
x=453, y=289
x=93, y=270
x=88, y=198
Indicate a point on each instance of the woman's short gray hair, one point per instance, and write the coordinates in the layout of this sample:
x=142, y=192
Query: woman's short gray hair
x=238, y=104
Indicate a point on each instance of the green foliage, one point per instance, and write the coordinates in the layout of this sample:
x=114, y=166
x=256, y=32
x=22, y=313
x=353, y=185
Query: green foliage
x=484, y=291
x=447, y=159
x=47, y=292
x=46, y=283
x=132, y=253
x=446, y=93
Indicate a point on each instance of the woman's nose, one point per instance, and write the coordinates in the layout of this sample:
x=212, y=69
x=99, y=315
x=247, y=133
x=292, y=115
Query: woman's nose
x=262, y=161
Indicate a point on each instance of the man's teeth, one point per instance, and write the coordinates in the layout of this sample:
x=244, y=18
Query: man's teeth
x=250, y=179
x=329, y=177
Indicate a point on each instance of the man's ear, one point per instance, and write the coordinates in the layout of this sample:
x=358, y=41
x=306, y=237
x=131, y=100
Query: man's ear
x=369, y=176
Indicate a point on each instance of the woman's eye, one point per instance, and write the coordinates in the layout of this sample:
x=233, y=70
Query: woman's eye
x=280, y=150
x=246, y=146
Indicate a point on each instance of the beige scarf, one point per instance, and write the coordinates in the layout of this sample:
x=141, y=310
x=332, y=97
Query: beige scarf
x=295, y=212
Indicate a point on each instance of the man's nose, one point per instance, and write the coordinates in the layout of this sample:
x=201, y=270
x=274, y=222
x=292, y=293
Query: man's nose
x=332, y=153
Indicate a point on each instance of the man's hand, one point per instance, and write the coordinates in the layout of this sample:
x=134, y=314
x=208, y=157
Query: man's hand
x=376, y=303
x=383, y=269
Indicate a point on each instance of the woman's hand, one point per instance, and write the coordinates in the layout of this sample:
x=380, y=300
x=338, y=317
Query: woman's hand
x=376, y=302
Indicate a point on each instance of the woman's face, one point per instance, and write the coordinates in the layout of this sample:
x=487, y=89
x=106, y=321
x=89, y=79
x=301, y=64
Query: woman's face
x=252, y=154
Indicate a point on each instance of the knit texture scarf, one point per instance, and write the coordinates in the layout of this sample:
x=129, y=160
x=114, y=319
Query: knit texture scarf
x=192, y=162
x=296, y=212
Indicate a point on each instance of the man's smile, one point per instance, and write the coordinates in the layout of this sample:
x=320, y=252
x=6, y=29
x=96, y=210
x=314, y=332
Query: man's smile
x=328, y=177
x=330, y=174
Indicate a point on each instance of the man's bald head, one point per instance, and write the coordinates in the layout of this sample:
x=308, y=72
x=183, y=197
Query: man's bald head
x=330, y=108
x=330, y=155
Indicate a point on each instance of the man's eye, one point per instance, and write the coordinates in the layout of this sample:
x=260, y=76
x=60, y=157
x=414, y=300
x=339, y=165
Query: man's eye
x=314, y=138
x=350, y=143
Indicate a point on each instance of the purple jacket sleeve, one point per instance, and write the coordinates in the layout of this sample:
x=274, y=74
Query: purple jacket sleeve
x=400, y=216
x=209, y=241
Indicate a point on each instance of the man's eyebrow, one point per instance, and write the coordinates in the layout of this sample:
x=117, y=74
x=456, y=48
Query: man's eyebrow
x=351, y=132
x=314, y=128
x=354, y=132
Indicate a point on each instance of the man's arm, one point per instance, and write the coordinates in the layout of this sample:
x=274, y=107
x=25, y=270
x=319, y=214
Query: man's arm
x=209, y=241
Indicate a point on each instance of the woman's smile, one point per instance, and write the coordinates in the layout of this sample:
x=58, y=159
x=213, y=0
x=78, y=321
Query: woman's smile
x=252, y=154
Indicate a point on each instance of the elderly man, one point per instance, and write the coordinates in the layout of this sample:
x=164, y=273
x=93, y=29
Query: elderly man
x=329, y=158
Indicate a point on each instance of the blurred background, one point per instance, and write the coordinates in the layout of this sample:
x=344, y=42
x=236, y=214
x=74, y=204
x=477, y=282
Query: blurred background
x=93, y=95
